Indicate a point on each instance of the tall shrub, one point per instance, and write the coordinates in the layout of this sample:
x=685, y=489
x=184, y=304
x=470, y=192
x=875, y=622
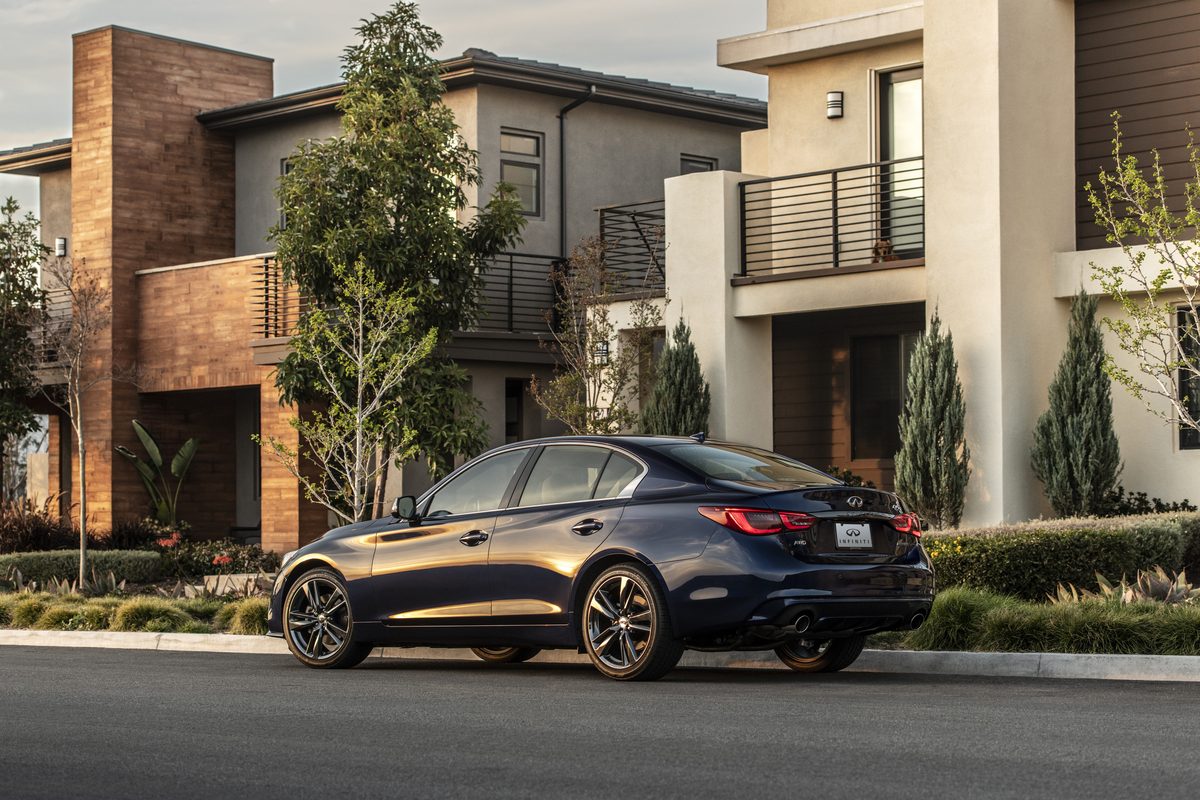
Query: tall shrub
x=933, y=465
x=680, y=399
x=1075, y=450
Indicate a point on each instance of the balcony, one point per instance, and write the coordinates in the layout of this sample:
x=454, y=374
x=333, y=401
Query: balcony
x=851, y=218
x=634, y=236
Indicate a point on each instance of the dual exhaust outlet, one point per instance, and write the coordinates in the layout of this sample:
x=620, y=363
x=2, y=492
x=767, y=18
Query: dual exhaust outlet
x=804, y=621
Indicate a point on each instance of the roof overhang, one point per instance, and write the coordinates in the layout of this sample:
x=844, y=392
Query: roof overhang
x=37, y=158
x=463, y=71
x=755, y=52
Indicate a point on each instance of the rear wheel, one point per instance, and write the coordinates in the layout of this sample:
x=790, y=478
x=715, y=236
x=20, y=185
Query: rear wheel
x=505, y=655
x=812, y=655
x=318, y=624
x=626, y=626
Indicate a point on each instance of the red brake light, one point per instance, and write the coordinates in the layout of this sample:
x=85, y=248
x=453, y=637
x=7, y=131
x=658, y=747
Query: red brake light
x=757, y=521
x=907, y=523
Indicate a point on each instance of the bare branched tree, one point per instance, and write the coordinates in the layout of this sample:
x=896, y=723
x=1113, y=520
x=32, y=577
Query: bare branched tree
x=70, y=340
x=357, y=351
x=596, y=379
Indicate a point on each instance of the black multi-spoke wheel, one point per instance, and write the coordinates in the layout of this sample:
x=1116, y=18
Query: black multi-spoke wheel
x=318, y=624
x=816, y=655
x=626, y=627
x=505, y=655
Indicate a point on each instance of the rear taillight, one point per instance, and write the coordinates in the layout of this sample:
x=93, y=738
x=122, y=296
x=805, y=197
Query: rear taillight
x=757, y=521
x=907, y=523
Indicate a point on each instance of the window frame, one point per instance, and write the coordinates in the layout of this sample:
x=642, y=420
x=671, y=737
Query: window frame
x=527, y=470
x=536, y=163
x=713, y=163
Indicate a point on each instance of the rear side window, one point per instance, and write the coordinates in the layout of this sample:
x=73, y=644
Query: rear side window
x=618, y=473
x=571, y=473
x=735, y=463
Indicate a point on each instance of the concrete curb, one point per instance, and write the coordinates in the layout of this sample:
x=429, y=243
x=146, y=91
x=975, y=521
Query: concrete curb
x=1000, y=665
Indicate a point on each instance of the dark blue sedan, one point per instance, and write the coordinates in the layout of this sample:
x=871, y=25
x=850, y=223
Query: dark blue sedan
x=631, y=549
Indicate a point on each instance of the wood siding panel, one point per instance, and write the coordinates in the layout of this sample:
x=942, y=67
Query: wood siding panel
x=1142, y=59
x=811, y=383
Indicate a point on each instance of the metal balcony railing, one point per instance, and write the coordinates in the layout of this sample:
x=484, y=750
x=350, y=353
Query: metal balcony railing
x=277, y=302
x=518, y=294
x=53, y=322
x=852, y=216
x=635, y=245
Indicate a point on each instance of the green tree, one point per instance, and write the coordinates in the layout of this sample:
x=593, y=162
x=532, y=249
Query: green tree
x=933, y=465
x=1158, y=284
x=390, y=192
x=680, y=398
x=1075, y=450
x=21, y=251
x=362, y=347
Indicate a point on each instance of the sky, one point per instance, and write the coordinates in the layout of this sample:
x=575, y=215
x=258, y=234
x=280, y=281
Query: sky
x=671, y=40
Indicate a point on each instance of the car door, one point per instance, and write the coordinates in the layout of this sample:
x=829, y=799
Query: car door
x=568, y=505
x=434, y=572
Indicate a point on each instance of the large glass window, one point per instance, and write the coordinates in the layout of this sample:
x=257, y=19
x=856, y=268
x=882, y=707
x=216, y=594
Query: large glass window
x=480, y=488
x=565, y=474
x=1189, y=382
x=521, y=167
x=878, y=386
x=901, y=136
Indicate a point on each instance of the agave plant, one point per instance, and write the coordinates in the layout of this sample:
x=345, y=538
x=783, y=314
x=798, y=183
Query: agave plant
x=1151, y=586
x=20, y=585
x=163, y=495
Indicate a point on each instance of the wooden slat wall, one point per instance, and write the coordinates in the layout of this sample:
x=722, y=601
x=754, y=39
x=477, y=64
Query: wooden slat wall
x=811, y=383
x=1141, y=57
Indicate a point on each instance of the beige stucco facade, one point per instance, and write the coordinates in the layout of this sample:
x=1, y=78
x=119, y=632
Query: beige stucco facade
x=999, y=262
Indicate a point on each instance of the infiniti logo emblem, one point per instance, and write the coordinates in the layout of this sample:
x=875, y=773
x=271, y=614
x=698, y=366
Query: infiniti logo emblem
x=855, y=502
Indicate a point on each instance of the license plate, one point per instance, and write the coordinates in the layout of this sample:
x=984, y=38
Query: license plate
x=854, y=535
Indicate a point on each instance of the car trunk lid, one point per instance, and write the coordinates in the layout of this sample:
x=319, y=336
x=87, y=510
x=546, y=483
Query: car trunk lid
x=852, y=524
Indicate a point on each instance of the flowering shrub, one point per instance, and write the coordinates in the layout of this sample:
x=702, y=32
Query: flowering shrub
x=191, y=560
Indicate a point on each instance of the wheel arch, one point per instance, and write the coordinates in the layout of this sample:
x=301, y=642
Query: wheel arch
x=592, y=570
x=303, y=567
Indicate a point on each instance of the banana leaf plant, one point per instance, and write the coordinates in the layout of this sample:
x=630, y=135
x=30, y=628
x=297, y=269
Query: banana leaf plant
x=164, y=493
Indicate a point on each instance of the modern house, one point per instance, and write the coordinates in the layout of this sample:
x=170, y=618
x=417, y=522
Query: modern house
x=165, y=189
x=921, y=156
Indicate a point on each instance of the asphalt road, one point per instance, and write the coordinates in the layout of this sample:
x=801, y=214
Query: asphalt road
x=110, y=723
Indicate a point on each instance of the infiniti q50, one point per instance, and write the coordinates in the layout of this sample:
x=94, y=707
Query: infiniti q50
x=631, y=549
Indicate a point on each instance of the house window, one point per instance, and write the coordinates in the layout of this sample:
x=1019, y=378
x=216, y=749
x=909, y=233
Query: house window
x=878, y=385
x=689, y=164
x=901, y=136
x=1189, y=382
x=521, y=168
x=514, y=410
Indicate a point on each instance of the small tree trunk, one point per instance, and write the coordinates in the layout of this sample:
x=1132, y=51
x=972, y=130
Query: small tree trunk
x=82, y=510
x=384, y=454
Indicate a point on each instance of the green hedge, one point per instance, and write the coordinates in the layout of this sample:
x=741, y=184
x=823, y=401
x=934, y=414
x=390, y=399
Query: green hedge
x=135, y=566
x=1029, y=560
x=966, y=619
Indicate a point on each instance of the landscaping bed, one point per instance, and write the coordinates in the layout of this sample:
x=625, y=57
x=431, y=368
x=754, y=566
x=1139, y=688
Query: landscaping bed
x=145, y=613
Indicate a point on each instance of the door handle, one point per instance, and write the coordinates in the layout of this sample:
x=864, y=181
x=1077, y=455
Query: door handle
x=587, y=527
x=472, y=538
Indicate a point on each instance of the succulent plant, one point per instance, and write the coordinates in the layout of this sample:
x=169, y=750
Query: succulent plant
x=1150, y=586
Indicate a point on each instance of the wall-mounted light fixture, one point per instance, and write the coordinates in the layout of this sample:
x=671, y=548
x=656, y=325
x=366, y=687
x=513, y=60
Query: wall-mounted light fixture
x=60, y=247
x=833, y=105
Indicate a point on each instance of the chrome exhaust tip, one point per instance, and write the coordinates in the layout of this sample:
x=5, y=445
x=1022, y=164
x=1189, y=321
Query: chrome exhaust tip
x=916, y=621
x=802, y=623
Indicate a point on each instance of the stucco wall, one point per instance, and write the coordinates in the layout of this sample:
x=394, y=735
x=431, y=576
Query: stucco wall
x=55, y=206
x=785, y=13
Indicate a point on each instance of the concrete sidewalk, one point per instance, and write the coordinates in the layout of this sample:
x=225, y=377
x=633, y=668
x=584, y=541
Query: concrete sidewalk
x=1010, y=665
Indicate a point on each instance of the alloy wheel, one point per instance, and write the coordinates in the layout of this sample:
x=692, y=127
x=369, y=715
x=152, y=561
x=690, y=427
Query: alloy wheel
x=620, y=622
x=318, y=619
x=807, y=649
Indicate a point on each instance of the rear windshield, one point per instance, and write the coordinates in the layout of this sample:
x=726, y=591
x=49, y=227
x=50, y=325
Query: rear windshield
x=735, y=463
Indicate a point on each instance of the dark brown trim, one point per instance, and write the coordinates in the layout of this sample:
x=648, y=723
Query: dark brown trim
x=37, y=159
x=747, y=280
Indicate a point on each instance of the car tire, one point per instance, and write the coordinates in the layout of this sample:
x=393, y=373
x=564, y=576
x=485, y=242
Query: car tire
x=626, y=626
x=807, y=655
x=505, y=655
x=318, y=623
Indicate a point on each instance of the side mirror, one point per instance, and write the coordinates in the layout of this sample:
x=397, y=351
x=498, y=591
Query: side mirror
x=404, y=507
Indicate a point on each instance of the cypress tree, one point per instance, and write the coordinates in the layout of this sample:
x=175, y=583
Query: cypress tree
x=679, y=401
x=933, y=465
x=1075, y=451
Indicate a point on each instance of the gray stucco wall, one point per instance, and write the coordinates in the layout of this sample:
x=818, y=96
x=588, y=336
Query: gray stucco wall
x=55, y=206
x=259, y=157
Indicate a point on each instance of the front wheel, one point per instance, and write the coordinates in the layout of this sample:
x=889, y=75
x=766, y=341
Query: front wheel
x=505, y=655
x=626, y=626
x=830, y=655
x=318, y=625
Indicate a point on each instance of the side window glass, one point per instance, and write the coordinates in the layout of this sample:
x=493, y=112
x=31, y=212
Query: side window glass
x=481, y=488
x=563, y=474
x=618, y=474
